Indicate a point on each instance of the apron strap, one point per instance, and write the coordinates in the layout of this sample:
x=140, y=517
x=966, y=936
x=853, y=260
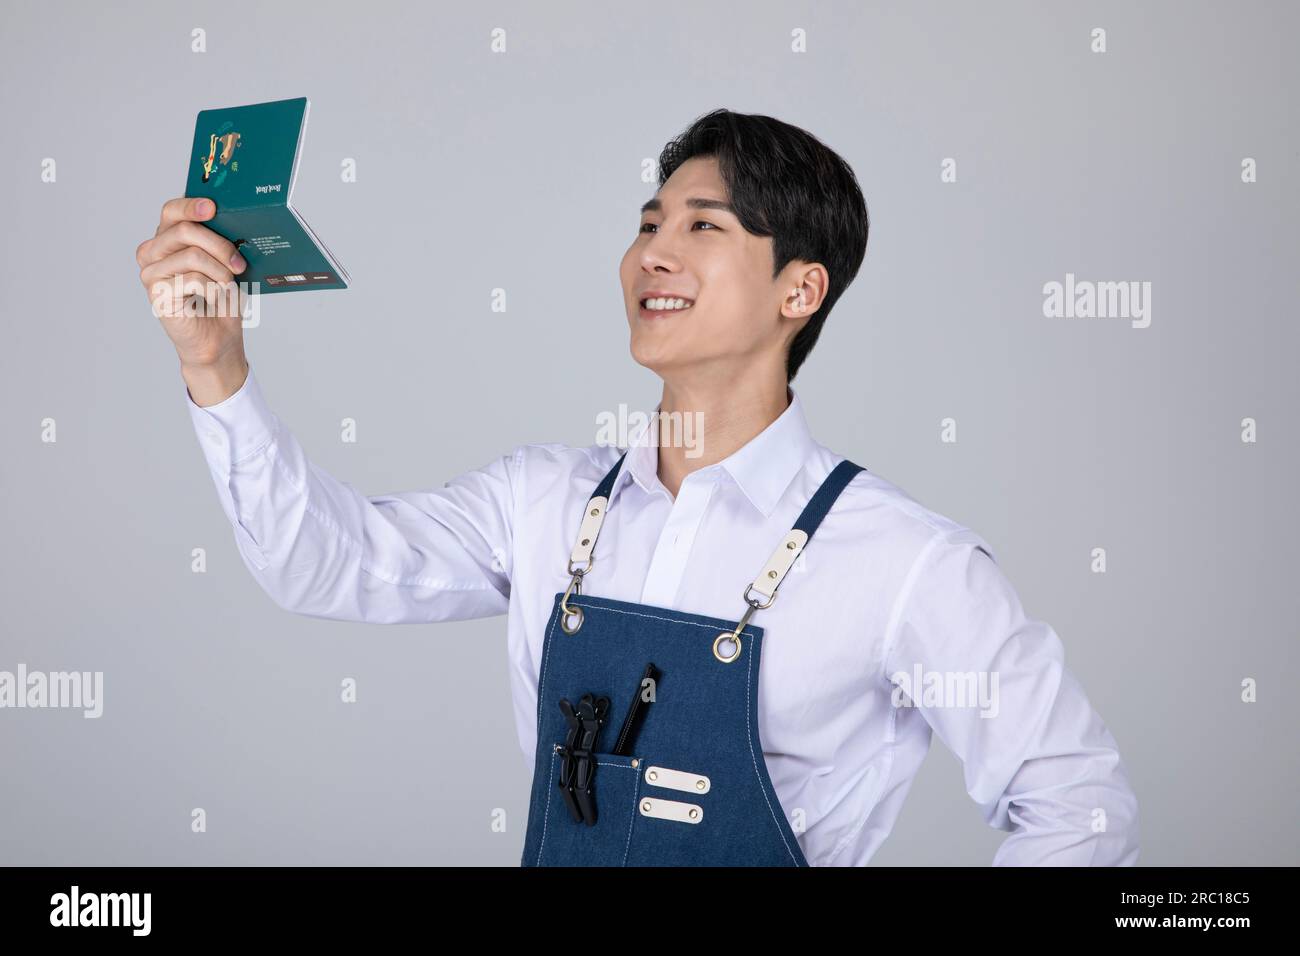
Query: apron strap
x=820, y=503
x=592, y=519
x=727, y=645
x=805, y=526
x=777, y=566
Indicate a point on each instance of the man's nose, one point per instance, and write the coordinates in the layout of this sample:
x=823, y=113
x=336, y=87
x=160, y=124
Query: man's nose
x=660, y=253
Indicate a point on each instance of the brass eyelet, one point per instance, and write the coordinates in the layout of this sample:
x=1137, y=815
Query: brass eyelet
x=727, y=636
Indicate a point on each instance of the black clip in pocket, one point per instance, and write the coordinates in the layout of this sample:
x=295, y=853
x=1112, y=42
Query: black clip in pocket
x=578, y=763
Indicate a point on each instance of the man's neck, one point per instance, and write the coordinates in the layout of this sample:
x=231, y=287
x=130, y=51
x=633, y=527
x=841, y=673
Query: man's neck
x=702, y=423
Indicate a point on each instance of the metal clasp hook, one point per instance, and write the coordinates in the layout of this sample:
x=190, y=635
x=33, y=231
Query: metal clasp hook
x=575, y=587
x=733, y=637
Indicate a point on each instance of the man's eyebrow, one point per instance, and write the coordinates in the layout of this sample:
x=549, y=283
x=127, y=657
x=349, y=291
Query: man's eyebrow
x=654, y=205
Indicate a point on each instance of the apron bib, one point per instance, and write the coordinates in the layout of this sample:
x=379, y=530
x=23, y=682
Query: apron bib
x=690, y=787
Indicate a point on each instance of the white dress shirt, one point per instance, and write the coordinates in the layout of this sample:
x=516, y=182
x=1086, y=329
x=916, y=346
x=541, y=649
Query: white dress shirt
x=887, y=595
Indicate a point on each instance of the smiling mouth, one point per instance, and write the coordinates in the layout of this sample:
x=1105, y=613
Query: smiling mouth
x=657, y=307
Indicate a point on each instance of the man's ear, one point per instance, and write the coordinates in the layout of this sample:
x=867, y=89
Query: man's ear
x=806, y=292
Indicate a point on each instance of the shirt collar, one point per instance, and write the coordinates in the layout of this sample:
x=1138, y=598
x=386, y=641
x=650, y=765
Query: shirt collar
x=762, y=468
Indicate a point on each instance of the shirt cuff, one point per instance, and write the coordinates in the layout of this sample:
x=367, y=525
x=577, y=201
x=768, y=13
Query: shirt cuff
x=235, y=428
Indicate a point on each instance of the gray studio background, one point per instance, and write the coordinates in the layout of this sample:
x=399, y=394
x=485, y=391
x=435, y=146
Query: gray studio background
x=522, y=171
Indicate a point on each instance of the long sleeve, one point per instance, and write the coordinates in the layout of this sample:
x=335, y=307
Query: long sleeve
x=319, y=547
x=993, y=685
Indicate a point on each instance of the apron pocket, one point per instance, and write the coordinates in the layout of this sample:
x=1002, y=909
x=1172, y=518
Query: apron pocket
x=564, y=842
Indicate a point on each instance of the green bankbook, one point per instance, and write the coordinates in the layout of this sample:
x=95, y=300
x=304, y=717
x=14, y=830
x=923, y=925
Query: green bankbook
x=245, y=159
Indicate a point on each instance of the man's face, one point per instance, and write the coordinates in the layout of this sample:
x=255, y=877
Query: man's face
x=687, y=250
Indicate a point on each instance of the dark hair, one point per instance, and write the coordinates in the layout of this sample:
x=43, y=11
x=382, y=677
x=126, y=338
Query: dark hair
x=785, y=183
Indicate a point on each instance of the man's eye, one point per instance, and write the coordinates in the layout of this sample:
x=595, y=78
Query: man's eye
x=698, y=222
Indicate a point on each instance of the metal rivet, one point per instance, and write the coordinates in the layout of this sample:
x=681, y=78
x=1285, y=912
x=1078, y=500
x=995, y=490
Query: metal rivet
x=585, y=542
x=699, y=784
x=652, y=775
x=790, y=545
x=635, y=763
x=694, y=813
x=594, y=512
x=771, y=574
x=646, y=806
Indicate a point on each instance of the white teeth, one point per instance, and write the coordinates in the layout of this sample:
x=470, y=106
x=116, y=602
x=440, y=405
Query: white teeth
x=664, y=304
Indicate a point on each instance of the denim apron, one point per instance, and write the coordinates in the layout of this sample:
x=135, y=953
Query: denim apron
x=691, y=788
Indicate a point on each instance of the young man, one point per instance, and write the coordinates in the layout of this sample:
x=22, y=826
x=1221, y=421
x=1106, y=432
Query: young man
x=654, y=734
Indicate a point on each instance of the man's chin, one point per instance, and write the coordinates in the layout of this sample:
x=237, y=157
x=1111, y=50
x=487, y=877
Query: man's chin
x=655, y=359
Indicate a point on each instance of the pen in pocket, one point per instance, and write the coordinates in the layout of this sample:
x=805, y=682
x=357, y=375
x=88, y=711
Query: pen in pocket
x=636, y=712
